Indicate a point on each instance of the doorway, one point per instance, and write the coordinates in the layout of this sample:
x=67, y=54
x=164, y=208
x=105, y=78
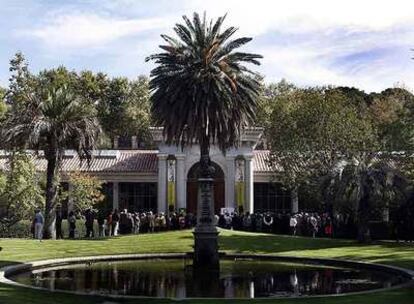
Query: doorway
x=192, y=188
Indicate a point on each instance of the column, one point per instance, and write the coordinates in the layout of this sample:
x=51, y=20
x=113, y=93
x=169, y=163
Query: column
x=162, y=183
x=230, y=182
x=181, y=182
x=249, y=183
x=294, y=200
x=115, y=194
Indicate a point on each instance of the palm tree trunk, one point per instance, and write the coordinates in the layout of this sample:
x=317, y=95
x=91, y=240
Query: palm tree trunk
x=51, y=190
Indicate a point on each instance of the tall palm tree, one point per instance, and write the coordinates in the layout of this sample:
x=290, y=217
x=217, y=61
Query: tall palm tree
x=201, y=90
x=364, y=188
x=55, y=119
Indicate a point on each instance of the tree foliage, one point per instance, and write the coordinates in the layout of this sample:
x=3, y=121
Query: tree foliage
x=86, y=191
x=201, y=89
x=124, y=108
x=312, y=129
x=392, y=112
x=365, y=187
x=3, y=106
x=55, y=118
x=20, y=192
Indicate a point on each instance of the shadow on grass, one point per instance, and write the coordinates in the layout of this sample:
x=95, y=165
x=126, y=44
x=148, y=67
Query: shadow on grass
x=268, y=243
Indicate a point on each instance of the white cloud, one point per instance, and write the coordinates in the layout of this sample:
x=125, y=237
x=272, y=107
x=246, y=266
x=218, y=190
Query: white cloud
x=88, y=30
x=307, y=42
x=303, y=15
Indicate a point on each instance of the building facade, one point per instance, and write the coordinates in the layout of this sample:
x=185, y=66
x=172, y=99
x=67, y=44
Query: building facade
x=166, y=179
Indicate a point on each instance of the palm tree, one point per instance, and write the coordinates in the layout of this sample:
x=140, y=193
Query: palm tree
x=364, y=188
x=201, y=91
x=55, y=119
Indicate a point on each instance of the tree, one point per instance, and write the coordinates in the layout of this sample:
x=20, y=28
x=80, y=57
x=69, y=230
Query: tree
x=270, y=95
x=137, y=114
x=55, y=118
x=86, y=191
x=201, y=91
x=3, y=106
x=124, y=108
x=20, y=192
x=364, y=187
x=21, y=83
x=392, y=112
x=311, y=130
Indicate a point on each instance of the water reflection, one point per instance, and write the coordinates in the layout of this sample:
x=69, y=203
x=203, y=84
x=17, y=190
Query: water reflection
x=237, y=279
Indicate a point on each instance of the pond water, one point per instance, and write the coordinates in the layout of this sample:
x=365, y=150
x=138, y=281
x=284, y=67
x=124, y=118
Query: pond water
x=236, y=279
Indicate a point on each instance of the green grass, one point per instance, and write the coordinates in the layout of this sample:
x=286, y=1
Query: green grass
x=22, y=250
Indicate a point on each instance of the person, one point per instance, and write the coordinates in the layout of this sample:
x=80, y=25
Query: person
x=314, y=223
x=109, y=223
x=59, y=218
x=89, y=219
x=227, y=220
x=268, y=222
x=38, y=225
x=137, y=222
x=115, y=222
x=123, y=222
x=247, y=221
x=181, y=221
x=151, y=222
x=293, y=223
x=72, y=224
x=143, y=222
x=101, y=224
x=163, y=221
x=328, y=227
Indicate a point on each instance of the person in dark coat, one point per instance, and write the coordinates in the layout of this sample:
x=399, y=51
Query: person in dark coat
x=101, y=224
x=89, y=219
x=58, y=224
x=72, y=225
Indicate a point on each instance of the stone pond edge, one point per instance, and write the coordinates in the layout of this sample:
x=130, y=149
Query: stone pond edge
x=9, y=270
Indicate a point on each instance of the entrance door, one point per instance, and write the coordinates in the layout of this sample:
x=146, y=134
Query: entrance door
x=192, y=188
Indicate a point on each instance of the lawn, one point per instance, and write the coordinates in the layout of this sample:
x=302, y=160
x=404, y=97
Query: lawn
x=21, y=250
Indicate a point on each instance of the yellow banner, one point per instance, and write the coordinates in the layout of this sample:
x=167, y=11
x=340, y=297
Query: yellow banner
x=171, y=194
x=240, y=194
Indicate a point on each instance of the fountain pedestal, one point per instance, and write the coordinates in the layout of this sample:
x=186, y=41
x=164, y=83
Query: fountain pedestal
x=206, y=255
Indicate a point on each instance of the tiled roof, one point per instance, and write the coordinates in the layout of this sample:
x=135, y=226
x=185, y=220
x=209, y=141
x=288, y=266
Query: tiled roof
x=143, y=161
x=261, y=161
x=139, y=161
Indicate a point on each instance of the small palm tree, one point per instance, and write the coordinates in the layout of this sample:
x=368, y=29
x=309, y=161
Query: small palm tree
x=55, y=119
x=364, y=187
x=201, y=91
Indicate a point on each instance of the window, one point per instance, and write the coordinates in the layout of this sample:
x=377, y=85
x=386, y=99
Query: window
x=271, y=197
x=138, y=197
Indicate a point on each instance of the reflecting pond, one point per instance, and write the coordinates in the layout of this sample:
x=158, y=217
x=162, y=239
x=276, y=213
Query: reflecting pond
x=237, y=279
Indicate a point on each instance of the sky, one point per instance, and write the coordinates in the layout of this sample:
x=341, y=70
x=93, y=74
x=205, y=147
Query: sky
x=362, y=43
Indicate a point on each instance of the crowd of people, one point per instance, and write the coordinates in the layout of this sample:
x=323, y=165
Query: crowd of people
x=113, y=223
x=305, y=224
